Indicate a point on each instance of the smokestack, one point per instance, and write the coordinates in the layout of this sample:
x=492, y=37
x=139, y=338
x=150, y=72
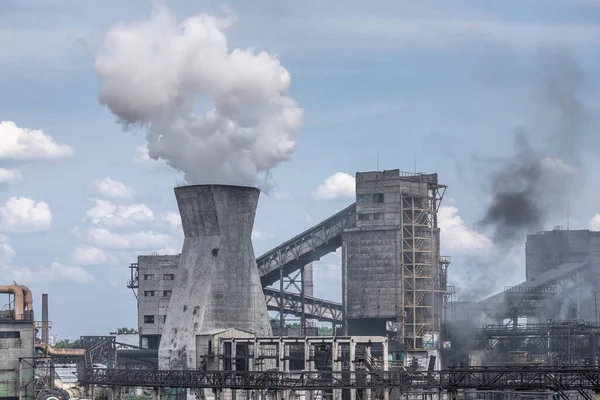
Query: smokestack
x=217, y=285
x=45, y=322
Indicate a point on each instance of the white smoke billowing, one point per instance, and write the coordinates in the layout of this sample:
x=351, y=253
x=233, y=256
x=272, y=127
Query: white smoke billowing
x=219, y=116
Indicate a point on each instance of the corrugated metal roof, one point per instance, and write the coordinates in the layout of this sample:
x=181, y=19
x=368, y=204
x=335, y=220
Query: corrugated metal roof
x=543, y=279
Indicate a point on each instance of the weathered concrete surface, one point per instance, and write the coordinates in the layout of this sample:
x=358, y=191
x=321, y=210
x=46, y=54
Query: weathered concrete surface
x=217, y=285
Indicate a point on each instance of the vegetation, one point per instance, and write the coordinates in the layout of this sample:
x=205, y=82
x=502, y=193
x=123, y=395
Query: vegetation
x=125, y=331
x=68, y=344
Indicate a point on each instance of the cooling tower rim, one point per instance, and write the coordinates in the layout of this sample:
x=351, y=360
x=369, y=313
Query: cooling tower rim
x=217, y=185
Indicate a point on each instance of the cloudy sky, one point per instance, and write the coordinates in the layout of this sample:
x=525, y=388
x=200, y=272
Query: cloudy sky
x=106, y=106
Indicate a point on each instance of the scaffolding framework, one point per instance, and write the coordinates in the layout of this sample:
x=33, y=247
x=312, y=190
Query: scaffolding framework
x=423, y=277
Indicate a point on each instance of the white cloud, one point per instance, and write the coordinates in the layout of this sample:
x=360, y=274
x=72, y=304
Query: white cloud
x=89, y=255
x=9, y=175
x=257, y=235
x=338, y=186
x=456, y=237
x=24, y=144
x=558, y=165
x=7, y=254
x=282, y=195
x=110, y=188
x=108, y=214
x=24, y=215
x=172, y=219
x=143, y=240
x=56, y=273
x=308, y=218
x=595, y=223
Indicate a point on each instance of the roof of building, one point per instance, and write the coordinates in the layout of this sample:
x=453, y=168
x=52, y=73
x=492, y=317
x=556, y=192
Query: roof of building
x=542, y=279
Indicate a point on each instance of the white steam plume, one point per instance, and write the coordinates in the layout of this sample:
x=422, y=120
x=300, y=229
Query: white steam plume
x=219, y=116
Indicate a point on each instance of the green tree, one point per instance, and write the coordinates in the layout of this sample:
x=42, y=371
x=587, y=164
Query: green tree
x=68, y=344
x=125, y=331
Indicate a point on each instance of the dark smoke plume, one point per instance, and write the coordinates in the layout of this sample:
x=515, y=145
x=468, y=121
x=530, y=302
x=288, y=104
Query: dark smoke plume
x=535, y=182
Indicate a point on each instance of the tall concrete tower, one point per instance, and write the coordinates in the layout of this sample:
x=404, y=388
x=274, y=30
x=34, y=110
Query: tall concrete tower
x=217, y=284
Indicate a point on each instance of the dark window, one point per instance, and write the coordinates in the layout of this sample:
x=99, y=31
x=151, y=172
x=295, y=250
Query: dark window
x=378, y=198
x=149, y=293
x=377, y=216
x=363, y=217
x=167, y=293
x=10, y=335
x=148, y=319
x=168, y=277
x=148, y=277
x=164, y=319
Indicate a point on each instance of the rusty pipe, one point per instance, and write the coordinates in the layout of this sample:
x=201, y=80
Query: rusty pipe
x=18, y=293
x=28, y=298
x=61, y=352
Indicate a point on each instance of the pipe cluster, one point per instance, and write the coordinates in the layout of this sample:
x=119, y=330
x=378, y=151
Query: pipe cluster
x=23, y=298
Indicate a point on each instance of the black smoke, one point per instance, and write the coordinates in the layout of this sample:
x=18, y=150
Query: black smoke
x=531, y=186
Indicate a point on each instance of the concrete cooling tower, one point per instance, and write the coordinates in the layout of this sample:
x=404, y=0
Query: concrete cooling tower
x=217, y=285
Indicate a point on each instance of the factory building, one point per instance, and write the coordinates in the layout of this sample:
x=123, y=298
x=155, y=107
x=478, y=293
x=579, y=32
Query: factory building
x=562, y=272
x=392, y=277
x=155, y=279
x=17, y=334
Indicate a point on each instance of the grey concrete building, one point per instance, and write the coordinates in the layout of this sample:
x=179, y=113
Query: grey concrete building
x=17, y=334
x=156, y=280
x=217, y=285
x=562, y=270
x=392, y=277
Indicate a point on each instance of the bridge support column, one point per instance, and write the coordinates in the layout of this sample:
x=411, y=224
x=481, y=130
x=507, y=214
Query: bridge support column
x=155, y=393
x=453, y=394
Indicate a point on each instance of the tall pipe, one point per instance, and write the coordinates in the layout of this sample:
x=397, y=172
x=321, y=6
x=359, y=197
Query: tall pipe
x=16, y=291
x=45, y=322
x=28, y=297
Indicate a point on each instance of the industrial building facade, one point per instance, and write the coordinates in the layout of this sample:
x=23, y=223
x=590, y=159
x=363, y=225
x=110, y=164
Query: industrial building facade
x=156, y=279
x=392, y=277
x=393, y=283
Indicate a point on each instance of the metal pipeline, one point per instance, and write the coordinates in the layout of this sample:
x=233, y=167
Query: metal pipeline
x=17, y=291
x=75, y=392
x=61, y=352
x=28, y=297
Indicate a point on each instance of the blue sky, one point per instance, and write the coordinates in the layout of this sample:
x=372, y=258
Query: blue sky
x=443, y=84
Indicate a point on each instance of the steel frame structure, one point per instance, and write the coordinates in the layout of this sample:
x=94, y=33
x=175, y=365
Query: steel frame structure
x=323, y=310
x=526, y=378
x=421, y=280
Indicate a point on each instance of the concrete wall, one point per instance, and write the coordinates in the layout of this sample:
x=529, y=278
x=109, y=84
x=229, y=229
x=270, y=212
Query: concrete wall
x=157, y=275
x=372, y=253
x=217, y=285
x=16, y=341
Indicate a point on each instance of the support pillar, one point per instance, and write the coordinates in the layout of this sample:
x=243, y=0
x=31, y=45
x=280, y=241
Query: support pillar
x=155, y=394
x=336, y=368
x=353, y=379
x=368, y=356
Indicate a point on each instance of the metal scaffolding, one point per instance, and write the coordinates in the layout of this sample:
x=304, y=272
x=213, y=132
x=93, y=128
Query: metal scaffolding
x=421, y=278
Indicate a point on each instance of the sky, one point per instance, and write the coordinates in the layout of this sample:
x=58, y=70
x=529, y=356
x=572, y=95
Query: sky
x=107, y=106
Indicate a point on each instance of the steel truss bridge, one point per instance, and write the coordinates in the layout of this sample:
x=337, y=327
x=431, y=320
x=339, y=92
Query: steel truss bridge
x=528, y=378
